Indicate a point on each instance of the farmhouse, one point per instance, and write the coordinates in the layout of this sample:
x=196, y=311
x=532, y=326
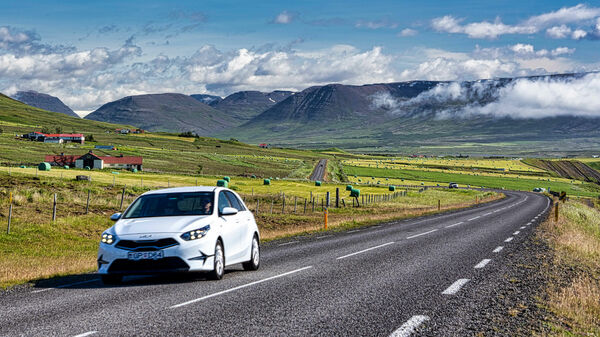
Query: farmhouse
x=264, y=146
x=93, y=161
x=57, y=138
x=61, y=160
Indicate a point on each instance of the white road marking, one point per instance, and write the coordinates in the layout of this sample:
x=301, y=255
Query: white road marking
x=323, y=236
x=86, y=334
x=288, y=243
x=414, y=236
x=455, y=287
x=516, y=232
x=410, y=326
x=238, y=287
x=353, y=231
x=522, y=227
x=477, y=217
x=487, y=213
x=498, y=249
x=509, y=239
x=64, y=286
x=456, y=224
x=482, y=264
x=364, y=250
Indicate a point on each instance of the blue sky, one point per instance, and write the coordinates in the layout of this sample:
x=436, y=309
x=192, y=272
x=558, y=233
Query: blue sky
x=88, y=53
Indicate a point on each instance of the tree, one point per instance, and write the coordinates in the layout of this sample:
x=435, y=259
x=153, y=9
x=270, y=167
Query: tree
x=58, y=129
x=89, y=138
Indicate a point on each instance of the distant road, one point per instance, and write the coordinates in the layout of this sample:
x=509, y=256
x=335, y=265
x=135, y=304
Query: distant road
x=319, y=171
x=394, y=279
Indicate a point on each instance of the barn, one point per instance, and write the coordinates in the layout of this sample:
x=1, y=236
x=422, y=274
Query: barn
x=94, y=161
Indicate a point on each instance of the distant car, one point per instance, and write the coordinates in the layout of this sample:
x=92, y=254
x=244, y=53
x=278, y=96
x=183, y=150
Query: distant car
x=539, y=189
x=453, y=185
x=185, y=229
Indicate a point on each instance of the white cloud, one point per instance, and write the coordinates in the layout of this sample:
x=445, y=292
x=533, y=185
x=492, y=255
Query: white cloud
x=284, y=18
x=408, y=32
x=579, y=34
x=376, y=24
x=491, y=30
x=558, y=32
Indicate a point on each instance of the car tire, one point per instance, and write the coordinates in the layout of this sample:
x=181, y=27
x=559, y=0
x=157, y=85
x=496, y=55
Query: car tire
x=111, y=279
x=254, y=262
x=219, y=262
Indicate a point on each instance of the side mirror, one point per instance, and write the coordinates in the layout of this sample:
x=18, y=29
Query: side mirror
x=229, y=211
x=115, y=216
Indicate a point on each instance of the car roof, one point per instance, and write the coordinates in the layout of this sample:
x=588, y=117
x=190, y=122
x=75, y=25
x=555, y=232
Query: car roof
x=184, y=189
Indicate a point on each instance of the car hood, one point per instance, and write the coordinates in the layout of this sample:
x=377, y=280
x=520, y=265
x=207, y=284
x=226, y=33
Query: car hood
x=167, y=224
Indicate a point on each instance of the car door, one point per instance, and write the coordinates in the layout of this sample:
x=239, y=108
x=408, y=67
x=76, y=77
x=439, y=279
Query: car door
x=243, y=239
x=230, y=226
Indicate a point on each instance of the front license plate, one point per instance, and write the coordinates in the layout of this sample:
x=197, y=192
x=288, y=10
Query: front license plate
x=155, y=255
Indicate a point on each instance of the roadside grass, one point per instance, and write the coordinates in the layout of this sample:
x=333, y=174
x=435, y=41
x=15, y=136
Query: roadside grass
x=36, y=248
x=574, y=291
x=578, y=188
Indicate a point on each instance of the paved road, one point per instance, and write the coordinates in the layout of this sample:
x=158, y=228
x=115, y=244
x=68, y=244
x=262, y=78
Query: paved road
x=319, y=171
x=395, y=279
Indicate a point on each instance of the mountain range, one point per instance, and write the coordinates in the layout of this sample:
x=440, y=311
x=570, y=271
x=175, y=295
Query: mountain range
x=416, y=116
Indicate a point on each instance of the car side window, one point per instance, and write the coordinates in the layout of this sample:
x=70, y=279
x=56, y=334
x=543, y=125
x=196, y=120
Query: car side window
x=223, y=201
x=235, y=202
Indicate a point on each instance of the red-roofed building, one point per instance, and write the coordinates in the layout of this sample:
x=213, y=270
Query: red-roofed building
x=93, y=161
x=61, y=160
x=58, y=138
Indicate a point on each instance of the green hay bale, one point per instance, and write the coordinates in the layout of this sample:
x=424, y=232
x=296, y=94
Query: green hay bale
x=317, y=183
x=134, y=170
x=355, y=193
x=222, y=183
x=44, y=167
x=267, y=182
x=227, y=179
x=66, y=167
x=87, y=168
x=392, y=188
x=348, y=187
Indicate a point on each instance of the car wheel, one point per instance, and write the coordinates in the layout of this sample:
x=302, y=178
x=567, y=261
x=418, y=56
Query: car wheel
x=219, y=262
x=254, y=262
x=111, y=279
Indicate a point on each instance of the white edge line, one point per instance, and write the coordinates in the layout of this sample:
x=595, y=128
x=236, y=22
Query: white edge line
x=288, y=243
x=414, y=236
x=323, y=236
x=64, y=286
x=410, y=326
x=509, y=239
x=498, y=249
x=482, y=264
x=238, y=287
x=364, y=250
x=455, y=287
x=86, y=334
x=456, y=224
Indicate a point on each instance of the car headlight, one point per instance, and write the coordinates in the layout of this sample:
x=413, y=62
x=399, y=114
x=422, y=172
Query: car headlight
x=196, y=233
x=109, y=239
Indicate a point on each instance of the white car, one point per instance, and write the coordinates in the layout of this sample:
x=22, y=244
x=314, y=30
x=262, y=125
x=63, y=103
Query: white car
x=180, y=230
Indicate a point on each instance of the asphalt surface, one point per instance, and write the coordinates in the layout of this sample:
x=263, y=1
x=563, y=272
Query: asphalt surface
x=319, y=170
x=397, y=278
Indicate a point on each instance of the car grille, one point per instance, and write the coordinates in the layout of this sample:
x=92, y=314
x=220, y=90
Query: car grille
x=164, y=265
x=146, y=245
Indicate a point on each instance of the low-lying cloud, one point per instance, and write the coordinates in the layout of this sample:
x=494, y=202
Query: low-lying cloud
x=519, y=99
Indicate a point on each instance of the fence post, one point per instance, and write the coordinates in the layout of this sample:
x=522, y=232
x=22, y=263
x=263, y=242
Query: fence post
x=325, y=211
x=272, y=202
x=283, y=204
x=313, y=204
x=322, y=205
x=196, y=181
x=87, y=204
x=122, y=197
x=327, y=201
x=337, y=197
x=343, y=203
x=10, y=206
x=305, y=205
x=556, y=212
x=295, y=204
x=257, y=205
x=54, y=209
x=114, y=178
x=439, y=205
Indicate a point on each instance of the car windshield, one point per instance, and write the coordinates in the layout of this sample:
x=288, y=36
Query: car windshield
x=171, y=204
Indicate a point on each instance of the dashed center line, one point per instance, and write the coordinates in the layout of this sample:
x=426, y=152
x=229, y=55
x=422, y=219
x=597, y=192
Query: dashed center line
x=522, y=227
x=516, y=232
x=482, y=264
x=455, y=287
x=414, y=236
x=410, y=326
x=86, y=334
x=498, y=249
x=364, y=250
x=238, y=287
x=456, y=224
x=477, y=217
x=509, y=239
x=487, y=213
